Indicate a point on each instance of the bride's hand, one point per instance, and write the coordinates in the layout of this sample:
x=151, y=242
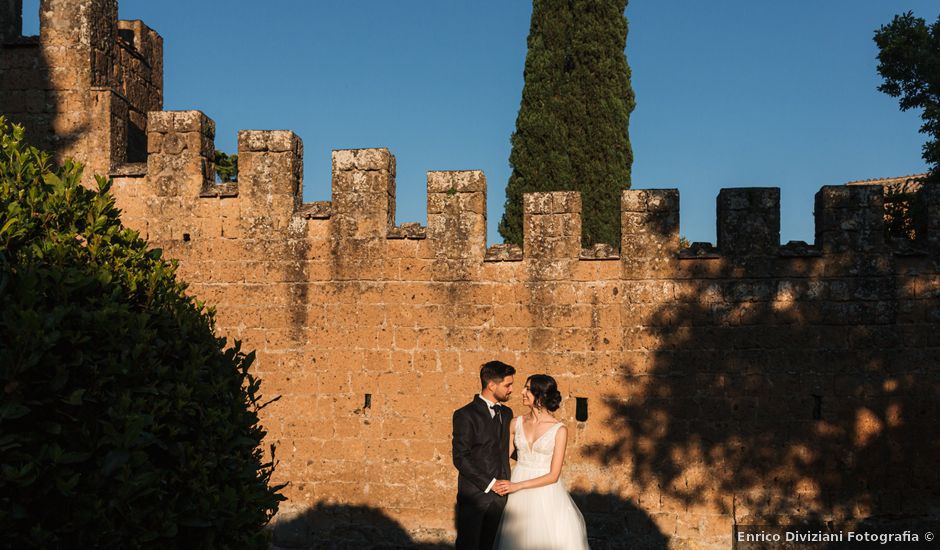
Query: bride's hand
x=511, y=487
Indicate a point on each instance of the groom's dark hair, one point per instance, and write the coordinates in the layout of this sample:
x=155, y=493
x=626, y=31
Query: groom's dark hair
x=495, y=371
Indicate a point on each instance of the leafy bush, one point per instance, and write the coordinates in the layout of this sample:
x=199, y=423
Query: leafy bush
x=124, y=421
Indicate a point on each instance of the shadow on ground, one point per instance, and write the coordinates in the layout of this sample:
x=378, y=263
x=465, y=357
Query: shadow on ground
x=612, y=524
x=342, y=527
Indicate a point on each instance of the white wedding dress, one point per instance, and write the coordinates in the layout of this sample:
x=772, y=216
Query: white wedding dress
x=543, y=518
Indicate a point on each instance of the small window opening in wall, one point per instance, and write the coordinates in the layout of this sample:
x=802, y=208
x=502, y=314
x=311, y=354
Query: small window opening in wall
x=30, y=18
x=817, y=407
x=186, y=237
x=128, y=36
x=581, y=409
x=136, y=142
x=368, y=402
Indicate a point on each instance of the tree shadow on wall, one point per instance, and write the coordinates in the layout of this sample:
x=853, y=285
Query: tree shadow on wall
x=612, y=524
x=821, y=408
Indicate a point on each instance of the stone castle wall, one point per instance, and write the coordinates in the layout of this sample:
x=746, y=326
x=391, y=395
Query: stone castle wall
x=741, y=383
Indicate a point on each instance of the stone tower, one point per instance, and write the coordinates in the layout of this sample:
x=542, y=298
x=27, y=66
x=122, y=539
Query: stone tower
x=84, y=86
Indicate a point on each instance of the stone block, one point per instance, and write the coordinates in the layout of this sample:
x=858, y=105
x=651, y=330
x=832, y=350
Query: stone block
x=850, y=219
x=566, y=202
x=537, y=203
x=180, y=122
x=363, y=193
x=649, y=230
x=277, y=141
x=363, y=159
x=552, y=225
x=467, y=181
x=457, y=221
x=749, y=221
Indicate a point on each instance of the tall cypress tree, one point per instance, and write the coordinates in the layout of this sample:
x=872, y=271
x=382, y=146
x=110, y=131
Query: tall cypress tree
x=572, y=127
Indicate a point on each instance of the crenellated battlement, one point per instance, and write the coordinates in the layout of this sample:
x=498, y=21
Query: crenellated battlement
x=360, y=217
x=91, y=86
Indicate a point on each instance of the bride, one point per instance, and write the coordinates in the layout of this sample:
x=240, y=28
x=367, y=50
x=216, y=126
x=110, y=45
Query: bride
x=539, y=514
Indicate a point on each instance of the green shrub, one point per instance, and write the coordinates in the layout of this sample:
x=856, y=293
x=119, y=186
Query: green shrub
x=226, y=167
x=124, y=421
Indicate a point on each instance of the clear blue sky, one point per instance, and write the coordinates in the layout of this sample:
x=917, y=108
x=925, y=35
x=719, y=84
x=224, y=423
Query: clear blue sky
x=730, y=93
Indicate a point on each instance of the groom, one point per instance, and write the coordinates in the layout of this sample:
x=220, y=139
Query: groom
x=481, y=455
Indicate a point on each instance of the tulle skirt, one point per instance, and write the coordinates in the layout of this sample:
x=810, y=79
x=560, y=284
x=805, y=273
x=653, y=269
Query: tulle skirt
x=544, y=518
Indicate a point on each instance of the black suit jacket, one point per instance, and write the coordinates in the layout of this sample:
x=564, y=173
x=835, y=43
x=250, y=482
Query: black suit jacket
x=480, y=448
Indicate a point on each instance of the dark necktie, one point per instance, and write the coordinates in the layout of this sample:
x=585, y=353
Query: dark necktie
x=496, y=415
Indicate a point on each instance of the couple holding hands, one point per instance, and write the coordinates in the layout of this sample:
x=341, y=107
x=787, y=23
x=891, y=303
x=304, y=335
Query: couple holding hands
x=529, y=509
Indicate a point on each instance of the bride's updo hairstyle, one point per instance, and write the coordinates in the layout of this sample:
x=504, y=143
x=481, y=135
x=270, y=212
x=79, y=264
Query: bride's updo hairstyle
x=544, y=392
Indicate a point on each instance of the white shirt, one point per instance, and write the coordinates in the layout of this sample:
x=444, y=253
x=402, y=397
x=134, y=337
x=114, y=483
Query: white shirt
x=489, y=405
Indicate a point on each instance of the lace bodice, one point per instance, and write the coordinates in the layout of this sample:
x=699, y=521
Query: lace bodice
x=540, y=455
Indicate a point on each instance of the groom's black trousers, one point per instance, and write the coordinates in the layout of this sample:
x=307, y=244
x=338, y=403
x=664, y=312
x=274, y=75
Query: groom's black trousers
x=478, y=522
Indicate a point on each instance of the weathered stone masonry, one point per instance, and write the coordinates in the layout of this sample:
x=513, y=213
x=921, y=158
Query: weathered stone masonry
x=747, y=382
x=85, y=85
